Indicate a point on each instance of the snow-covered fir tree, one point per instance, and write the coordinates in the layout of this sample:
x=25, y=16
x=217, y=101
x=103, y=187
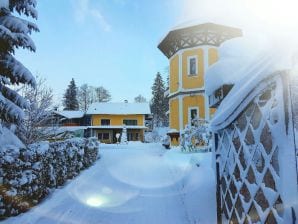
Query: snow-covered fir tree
x=15, y=33
x=70, y=100
x=102, y=94
x=140, y=99
x=124, y=135
x=159, y=103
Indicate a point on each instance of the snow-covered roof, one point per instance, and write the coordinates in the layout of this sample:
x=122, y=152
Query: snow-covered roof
x=119, y=108
x=234, y=55
x=263, y=66
x=70, y=114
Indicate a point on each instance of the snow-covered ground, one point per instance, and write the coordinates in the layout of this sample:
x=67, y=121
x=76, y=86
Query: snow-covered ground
x=133, y=184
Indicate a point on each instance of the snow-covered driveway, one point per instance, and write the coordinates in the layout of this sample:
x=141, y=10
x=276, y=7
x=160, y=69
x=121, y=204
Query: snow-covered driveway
x=133, y=184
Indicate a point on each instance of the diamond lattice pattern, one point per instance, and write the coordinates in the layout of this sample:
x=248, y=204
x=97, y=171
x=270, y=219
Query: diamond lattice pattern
x=249, y=165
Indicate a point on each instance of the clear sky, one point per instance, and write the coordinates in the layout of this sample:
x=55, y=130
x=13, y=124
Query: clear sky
x=113, y=43
x=110, y=43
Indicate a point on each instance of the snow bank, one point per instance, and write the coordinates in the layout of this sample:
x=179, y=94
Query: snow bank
x=27, y=174
x=234, y=55
x=266, y=64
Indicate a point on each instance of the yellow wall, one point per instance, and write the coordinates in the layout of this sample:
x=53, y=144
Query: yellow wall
x=174, y=74
x=213, y=56
x=193, y=101
x=190, y=82
x=174, y=114
x=117, y=119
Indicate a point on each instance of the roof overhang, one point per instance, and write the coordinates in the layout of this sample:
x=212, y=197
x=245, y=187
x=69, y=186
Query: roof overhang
x=198, y=35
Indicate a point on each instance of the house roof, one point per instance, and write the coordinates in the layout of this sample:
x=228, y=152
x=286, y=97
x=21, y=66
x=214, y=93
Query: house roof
x=119, y=108
x=193, y=34
x=70, y=114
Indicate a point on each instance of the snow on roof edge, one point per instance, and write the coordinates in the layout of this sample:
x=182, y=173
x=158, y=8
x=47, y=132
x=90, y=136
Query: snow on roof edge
x=119, y=108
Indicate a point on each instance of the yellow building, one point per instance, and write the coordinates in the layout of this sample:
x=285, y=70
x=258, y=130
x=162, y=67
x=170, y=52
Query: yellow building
x=191, y=49
x=108, y=119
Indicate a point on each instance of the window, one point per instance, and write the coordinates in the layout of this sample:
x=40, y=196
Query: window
x=105, y=122
x=130, y=122
x=103, y=136
x=193, y=112
x=192, y=65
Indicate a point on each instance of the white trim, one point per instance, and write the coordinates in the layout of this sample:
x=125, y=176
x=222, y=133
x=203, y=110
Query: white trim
x=206, y=66
x=185, y=91
x=189, y=113
x=180, y=98
x=117, y=127
x=188, y=66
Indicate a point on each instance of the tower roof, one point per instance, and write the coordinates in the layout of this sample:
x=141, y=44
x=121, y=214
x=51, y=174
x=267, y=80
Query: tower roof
x=189, y=36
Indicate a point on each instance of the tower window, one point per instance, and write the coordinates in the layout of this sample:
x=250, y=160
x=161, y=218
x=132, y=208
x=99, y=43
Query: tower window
x=193, y=112
x=192, y=65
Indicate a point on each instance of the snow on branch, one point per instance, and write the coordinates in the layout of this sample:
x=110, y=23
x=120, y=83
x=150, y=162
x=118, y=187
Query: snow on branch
x=15, y=71
x=26, y=7
x=9, y=111
x=18, y=25
x=14, y=97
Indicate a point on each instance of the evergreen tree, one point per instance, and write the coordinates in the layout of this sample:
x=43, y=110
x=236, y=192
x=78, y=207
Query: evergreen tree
x=70, y=101
x=14, y=34
x=159, y=103
x=140, y=99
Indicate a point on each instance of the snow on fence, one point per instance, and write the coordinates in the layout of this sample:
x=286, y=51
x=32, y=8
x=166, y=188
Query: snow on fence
x=256, y=155
x=28, y=174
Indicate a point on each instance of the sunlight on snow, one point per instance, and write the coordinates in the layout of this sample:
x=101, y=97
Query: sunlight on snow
x=103, y=197
x=148, y=171
x=95, y=201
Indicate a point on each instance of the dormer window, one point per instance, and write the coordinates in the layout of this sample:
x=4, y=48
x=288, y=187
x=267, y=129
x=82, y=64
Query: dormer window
x=192, y=65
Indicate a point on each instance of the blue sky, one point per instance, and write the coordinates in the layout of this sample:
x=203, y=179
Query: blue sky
x=110, y=43
x=113, y=43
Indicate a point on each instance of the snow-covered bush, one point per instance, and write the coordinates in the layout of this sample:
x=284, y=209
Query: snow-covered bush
x=27, y=174
x=156, y=135
x=196, y=136
x=124, y=135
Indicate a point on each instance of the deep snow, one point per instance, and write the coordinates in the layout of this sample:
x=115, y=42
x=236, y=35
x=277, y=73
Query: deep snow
x=135, y=183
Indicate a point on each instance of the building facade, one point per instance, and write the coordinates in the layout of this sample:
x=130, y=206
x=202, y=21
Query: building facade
x=108, y=120
x=191, y=49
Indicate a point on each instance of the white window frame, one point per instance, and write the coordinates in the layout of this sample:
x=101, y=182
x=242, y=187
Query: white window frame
x=189, y=113
x=188, y=65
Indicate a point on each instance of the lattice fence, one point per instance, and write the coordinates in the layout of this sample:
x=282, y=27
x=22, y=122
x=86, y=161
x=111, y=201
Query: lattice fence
x=249, y=165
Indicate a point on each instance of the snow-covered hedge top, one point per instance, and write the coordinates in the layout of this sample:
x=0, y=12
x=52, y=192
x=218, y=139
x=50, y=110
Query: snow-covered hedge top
x=233, y=54
x=263, y=66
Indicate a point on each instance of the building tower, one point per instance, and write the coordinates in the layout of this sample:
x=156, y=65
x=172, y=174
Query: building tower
x=191, y=49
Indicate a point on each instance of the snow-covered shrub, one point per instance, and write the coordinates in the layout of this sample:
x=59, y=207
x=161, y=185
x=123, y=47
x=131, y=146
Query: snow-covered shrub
x=156, y=135
x=196, y=136
x=27, y=174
